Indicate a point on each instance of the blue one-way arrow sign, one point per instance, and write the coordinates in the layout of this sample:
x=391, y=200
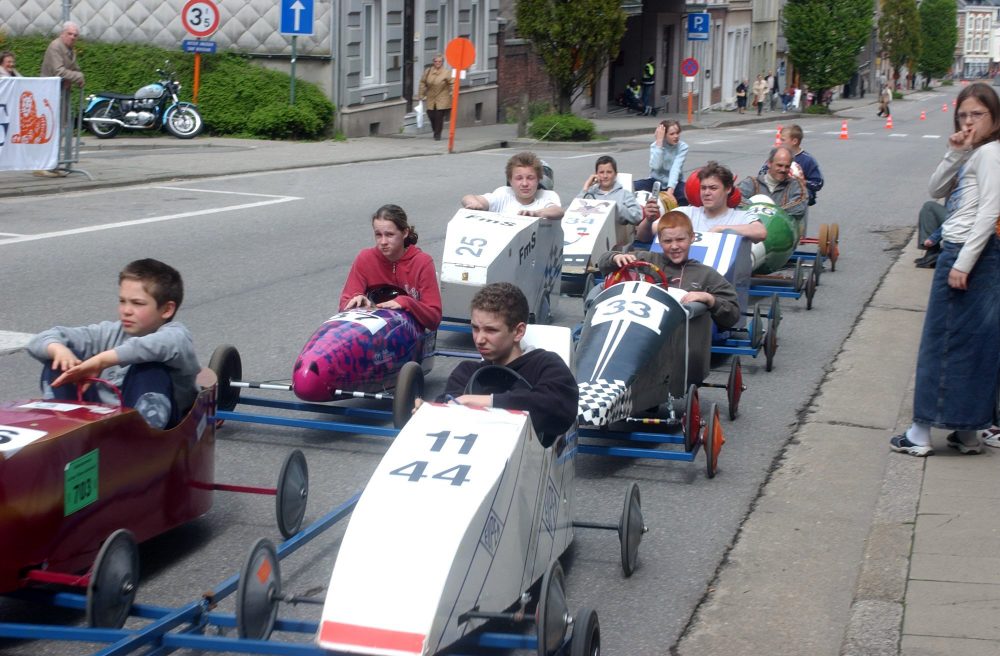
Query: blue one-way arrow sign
x=297, y=17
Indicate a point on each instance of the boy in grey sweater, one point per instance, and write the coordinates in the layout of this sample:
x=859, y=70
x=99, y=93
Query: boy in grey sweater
x=146, y=354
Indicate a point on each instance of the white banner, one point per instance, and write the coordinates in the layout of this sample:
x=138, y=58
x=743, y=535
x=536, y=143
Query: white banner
x=29, y=123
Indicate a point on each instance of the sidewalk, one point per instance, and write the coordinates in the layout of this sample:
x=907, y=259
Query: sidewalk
x=853, y=550
x=156, y=157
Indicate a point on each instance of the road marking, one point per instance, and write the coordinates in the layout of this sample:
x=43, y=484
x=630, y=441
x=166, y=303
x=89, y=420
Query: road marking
x=153, y=219
x=10, y=234
x=712, y=141
x=219, y=191
x=863, y=134
x=833, y=133
x=932, y=136
x=898, y=135
x=579, y=156
x=11, y=342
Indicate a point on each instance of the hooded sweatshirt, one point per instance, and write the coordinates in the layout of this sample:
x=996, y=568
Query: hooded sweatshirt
x=414, y=273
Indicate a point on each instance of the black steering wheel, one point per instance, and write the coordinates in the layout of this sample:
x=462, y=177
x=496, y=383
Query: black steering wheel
x=383, y=293
x=496, y=379
x=631, y=271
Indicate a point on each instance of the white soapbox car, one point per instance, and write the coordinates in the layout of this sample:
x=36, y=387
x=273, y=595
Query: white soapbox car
x=486, y=247
x=461, y=525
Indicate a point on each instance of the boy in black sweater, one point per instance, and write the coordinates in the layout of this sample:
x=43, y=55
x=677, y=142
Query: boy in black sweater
x=499, y=320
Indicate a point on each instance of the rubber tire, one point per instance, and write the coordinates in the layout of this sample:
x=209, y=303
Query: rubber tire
x=550, y=614
x=810, y=288
x=770, y=346
x=774, y=311
x=734, y=387
x=713, y=440
x=292, y=494
x=823, y=241
x=586, y=640
x=756, y=328
x=226, y=364
x=100, y=110
x=835, y=247
x=257, y=623
x=409, y=387
x=797, y=279
x=114, y=579
x=631, y=528
x=184, y=132
x=692, y=418
x=588, y=285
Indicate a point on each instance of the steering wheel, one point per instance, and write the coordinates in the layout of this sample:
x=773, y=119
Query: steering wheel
x=630, y=272
x=101, y=381
x=496, y=379
x=383, y=293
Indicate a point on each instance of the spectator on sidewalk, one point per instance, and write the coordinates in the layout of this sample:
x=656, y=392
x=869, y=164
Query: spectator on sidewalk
x=435, y=92
x=741, y=97
x=959, y=356
x=761, y=90
x=7, y=65
x=648, y=83
x=60, y=61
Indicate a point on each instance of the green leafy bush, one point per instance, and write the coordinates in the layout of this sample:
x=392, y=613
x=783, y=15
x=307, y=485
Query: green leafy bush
x=562, y=127
x=817, y=109
x=948, y=83
x=236, y=97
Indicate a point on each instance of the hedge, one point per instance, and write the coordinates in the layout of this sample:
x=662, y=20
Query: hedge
x=562, y=127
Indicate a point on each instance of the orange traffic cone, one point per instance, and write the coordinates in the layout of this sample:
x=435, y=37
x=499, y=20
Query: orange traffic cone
x=944, y=107
x=923, y=115
x=777, y=137
x=888, y=122
x=843, y=130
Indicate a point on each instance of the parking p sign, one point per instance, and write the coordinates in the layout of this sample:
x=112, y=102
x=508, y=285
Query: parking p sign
x=698, y=26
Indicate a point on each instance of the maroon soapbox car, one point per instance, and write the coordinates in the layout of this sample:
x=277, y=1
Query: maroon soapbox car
x=82, y=483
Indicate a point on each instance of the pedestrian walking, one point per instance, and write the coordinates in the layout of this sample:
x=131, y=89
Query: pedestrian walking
x=435, y=92
x=761, y=90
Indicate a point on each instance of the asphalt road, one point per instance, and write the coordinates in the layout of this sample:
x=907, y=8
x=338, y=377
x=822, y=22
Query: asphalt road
x=264, y=257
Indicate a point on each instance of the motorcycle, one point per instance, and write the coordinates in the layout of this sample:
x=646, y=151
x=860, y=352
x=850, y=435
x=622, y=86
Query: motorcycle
x=152, y=107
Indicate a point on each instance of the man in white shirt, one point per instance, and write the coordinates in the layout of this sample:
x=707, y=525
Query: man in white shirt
x=522, y=194
x=716, y=184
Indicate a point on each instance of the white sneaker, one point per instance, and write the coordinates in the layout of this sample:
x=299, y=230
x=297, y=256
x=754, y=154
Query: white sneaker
x=990, y=437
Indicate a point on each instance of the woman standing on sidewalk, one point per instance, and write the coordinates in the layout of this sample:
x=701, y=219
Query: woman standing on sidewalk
x=435, y=91
x=959, y=357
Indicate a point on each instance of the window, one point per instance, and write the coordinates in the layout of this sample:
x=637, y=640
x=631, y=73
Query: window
x=371, y=42
x=477, y=33
x=446, y=20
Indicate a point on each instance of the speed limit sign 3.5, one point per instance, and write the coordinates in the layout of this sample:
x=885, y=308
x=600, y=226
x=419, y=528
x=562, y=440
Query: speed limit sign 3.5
x=200, y=18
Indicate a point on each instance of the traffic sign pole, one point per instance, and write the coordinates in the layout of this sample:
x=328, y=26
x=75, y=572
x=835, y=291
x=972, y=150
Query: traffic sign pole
x=201, y=19
x=197, y=77
x=689, y=68
x=291, y=93
x=460, y=53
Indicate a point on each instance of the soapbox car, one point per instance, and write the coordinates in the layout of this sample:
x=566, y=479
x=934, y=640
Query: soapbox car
x=486, y=247
x=355, y=354
x=81, y=483
x=732, y=256
x=590, y=230
x=639, y=349
x=461, y=525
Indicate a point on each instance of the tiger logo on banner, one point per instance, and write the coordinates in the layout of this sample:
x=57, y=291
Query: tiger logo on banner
x=29, y=123
x=35, y=127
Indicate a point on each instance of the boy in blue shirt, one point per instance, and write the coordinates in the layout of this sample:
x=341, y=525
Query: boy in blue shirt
x=146, y=354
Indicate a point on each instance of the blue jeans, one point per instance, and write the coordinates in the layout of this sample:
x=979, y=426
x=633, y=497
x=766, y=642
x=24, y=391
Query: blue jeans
x=646, y=184
x=147, y=387
x=959, y=358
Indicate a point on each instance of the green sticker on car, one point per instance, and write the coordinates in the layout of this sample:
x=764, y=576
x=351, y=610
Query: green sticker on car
x=80, y=483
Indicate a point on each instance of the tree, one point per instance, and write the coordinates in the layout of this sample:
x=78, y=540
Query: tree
x=899, y=32
x=575, y=39
x=938, y=35
x=824, y=39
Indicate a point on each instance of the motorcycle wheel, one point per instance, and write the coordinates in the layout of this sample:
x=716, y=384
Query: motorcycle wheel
x=183, y=121
x=103, y=130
